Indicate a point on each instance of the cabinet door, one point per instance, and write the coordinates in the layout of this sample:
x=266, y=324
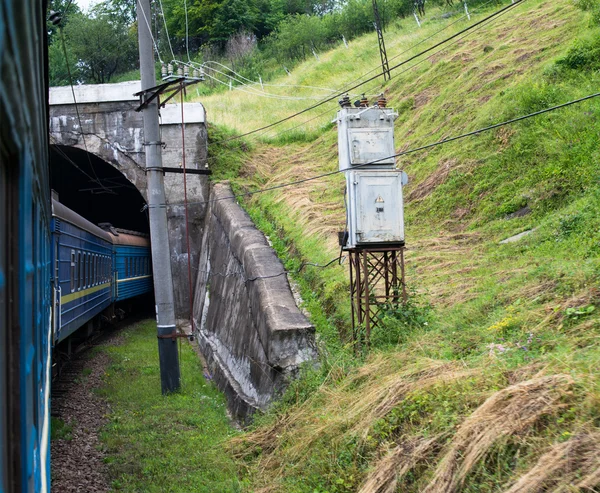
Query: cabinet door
x=380, y=217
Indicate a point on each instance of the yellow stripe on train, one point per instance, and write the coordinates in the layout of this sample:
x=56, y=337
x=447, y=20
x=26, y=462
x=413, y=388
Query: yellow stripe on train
x=78, y=294
x=133, y=278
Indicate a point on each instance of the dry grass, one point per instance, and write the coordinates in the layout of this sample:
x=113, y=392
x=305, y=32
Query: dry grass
x=391, y=468
x=349, y=409
x=572, y=464
x=507, y=412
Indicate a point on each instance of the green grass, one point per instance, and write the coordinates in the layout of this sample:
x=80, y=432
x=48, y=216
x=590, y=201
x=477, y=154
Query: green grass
x=60, y=430
x=156, y=443
x=503, y=313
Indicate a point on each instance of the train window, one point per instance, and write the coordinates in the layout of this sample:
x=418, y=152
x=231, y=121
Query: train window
x=86, y=266
x=73, y=276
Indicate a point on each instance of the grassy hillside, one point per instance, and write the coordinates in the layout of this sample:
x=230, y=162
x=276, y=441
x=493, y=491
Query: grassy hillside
x=488, y=379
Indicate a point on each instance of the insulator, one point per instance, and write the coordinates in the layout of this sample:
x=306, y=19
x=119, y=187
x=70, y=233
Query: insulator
x=55, y=17
x=202, y=72
x=382, y=101
x=195, y=73
x=186, y=71
x=170, y=69
x=364, y=102
x=180, y=71
x=163, y=70
x=345, y=101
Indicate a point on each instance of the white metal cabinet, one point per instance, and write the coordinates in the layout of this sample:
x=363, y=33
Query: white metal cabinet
x=375, y=207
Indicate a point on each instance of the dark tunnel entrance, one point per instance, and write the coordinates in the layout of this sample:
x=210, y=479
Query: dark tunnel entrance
x=100, y=193
x=96, y=190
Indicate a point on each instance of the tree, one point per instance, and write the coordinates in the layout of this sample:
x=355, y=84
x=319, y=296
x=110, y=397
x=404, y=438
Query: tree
x=57, y=65
x=102, y=46
x=231, y=17
x=67, y=11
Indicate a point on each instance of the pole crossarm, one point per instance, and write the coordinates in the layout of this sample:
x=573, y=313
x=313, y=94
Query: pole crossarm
x=173, y=86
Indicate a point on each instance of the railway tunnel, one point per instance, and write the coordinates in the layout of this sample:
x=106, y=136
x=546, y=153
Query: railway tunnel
x=94, y=189
x=240, y=305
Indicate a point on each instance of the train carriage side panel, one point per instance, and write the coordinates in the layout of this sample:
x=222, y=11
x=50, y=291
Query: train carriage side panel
x=133, y=266
x=83, y=255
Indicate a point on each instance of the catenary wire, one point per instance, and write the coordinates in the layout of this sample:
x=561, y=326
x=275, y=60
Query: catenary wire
x=421, y=42
x=409, y=151
x=265, y=83
x=331, y=98
x=251, y=90
x=166, y=28
x=150, y=32
x=64, y=47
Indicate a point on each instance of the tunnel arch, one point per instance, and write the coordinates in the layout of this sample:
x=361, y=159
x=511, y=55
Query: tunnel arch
x=97, y=189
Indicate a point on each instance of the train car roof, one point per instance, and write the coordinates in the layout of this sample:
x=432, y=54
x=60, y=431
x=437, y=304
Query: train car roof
x=64, y=213
x=125, y=239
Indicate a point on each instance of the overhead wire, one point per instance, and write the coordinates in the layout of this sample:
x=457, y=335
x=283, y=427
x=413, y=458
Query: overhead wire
x=265, y=83
x=166, y=29
x=66, y=157
x=150, y=32
x=64, y=47
x=409, y=151
x=256, y=92
x=404, y=62
x=463, y=17
x=405, y=70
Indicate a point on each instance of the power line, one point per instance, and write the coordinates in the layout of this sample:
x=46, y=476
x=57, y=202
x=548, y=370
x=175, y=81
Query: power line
x=64, y=47
x=331, y=98
x=420, y=42
x=403, y=71
x=166, y=28
x=265, y=83
x=252, y=91
x=153, y=40
x=409, y=151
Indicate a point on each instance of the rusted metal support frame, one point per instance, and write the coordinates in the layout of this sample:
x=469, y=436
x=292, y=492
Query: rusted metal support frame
x=371, y=266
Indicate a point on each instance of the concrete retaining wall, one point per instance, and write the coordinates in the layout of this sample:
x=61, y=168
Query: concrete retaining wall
x=248, y=325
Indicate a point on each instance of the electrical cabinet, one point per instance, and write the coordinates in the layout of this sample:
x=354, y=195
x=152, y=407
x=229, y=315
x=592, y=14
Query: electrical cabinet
x=375, y=207
x=366, y=138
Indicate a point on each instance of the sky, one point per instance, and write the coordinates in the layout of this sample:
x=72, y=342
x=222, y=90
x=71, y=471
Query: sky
x=85, y=4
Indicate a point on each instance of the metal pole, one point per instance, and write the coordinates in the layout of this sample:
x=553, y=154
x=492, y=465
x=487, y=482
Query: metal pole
x=161, y=262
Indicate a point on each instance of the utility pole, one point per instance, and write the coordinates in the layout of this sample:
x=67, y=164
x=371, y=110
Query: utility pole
x=161, y=262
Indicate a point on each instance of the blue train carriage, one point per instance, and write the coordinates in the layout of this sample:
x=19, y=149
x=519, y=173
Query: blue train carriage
x=133, y=267
x=25, y=344
x=82, y=266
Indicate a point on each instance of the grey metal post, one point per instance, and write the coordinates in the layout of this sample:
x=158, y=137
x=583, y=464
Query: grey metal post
x=161, y=262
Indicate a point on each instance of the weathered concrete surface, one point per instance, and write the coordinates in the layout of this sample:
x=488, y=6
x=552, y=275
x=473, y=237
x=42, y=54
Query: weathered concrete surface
x=114, y=131
x=249, y=328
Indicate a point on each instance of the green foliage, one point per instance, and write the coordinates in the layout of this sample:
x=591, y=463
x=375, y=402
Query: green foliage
x=398, y=324
x=57, y=65
x=102, y=47
x=584, y=55
x=225, y=157
x=59, y=430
